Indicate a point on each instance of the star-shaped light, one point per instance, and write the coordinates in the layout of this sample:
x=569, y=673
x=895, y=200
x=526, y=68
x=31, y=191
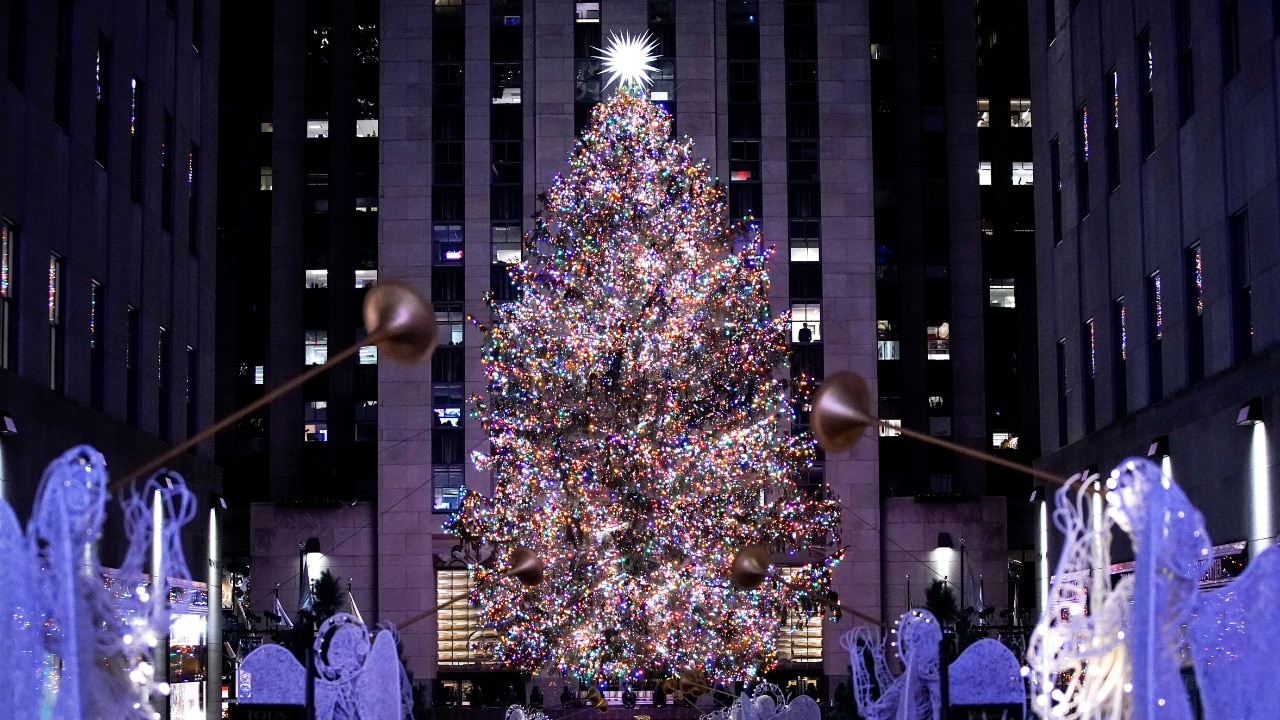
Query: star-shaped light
x=628, y=59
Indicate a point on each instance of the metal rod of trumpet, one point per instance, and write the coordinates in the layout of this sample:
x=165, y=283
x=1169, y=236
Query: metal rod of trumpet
x=157, y=462
x=973, y=453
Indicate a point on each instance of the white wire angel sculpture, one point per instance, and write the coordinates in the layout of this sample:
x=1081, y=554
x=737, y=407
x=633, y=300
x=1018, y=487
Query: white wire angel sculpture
x=913, y=695
x=1105, y=652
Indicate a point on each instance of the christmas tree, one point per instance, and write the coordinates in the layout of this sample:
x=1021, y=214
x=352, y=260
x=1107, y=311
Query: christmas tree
x=639, y=436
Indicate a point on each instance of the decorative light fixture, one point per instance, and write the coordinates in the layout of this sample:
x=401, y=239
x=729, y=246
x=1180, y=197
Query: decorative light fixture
x=1159, y=447
x=628, y=59
x=944, y=541
x=1250, y=412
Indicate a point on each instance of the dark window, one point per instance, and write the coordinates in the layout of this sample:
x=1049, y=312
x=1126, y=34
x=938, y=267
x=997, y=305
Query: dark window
x=1055, y=186
x=1186, y=68
x=1241, y=289
x=744, y=120
x=802, y=160
x=1050, y=21
x=191, y=391
x=18, y=44
x=1155, y=337
x=1113, y=133
x=802, y=81
x=744, y=81
x=447, y=446
x=132, y=360
x=1119, y=358
x=1082, y=161
x=802, y=120
x=137, y=140
x=806, y=281
x=446, y=203
x=448, y=123
x=744, y=200
x=193, y=200
x=97, y=345
x=1230, y=39
x=164, y=389
x=506, y=161
x=1088, y=374
x=505, y=123
x=505, y=202
x=62, y=66
x=1062, y=392
x=447, y=163
x=102, y=101
x=1146, y=92
x=803, y=200
x=167, y=151
x=1193, y=281
x=197, y=24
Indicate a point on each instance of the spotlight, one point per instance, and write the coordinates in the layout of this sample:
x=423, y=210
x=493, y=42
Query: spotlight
x=1159, y=447
x=944, y=540
x=7, y=425
x=1250, y=412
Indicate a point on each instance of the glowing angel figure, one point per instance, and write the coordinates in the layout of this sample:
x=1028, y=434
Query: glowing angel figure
x=916, y=693
x=1121, y=659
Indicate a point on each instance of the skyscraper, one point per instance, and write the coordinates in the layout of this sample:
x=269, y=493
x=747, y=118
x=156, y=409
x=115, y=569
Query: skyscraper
x=1157, y=259
x=106, y=237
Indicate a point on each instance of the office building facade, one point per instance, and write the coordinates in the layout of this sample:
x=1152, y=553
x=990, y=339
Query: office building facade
x=1157, y=258
x=107, y=238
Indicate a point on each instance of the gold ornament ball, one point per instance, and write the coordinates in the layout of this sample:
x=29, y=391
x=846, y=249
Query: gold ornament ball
x=750, y=567
x=526, y=566
x=402, y=319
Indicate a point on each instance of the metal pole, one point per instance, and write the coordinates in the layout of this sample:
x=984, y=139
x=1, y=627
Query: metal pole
x=213, y=627
x=159, y=597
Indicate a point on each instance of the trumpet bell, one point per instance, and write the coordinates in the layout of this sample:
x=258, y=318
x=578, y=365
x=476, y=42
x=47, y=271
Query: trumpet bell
x=841, y=411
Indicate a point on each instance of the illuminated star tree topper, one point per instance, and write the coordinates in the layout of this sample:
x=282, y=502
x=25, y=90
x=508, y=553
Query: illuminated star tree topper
x=628, y=59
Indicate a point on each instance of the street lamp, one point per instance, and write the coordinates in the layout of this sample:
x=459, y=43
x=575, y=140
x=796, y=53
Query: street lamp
x=305, y=550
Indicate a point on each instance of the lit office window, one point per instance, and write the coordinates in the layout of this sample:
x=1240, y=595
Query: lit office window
x=1020, y=112
x=460, y=638
x=939, y=341
x=8, y=241
x=806, y=322
x=1001, y=294
x=316, y=279
x=448, y=487
x=55, y=321
x=366, y=278
x=315, y=416
x=316, y=347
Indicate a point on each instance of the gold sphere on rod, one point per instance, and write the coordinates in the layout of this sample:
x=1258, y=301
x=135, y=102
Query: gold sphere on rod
x=400, y=321
x=526, y=566
x=750, y=567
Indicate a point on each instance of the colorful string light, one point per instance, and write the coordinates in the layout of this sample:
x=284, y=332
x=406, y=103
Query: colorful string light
x=637, y=428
